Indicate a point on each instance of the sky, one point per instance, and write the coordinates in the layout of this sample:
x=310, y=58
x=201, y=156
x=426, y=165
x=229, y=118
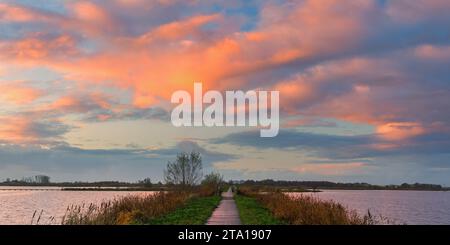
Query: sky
x=364, y=87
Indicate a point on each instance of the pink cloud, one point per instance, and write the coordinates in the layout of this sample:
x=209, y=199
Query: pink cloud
x=34, y=50
x=12, y=13
x=433, y=52
x=24, y=129
x=400, y=130
x=79, y=103
x=17, y=93
x=173, y=55
x=179, y=53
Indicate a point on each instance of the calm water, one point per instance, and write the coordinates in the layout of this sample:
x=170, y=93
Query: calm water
x=410, y=207
x=18, y=206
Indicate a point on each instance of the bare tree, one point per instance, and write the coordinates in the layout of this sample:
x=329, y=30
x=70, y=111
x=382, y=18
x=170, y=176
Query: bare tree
x=186, y=170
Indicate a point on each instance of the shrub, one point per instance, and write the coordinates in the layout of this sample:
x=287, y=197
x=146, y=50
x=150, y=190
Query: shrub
x=213, y=181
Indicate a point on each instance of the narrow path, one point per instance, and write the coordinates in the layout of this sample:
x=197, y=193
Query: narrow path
x=226, y=213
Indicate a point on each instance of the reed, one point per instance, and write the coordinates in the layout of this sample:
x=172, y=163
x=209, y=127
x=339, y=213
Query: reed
x=125, y=210
x=308, y=210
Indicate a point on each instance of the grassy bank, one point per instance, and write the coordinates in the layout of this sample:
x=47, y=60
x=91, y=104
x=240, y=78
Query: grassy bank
x=174, y=207
x=126, y=210
x=195, y=212
x=307, y=210
x=252, y=212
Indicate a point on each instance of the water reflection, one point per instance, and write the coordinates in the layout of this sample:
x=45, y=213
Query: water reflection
x=18, y=206
x=410, y=207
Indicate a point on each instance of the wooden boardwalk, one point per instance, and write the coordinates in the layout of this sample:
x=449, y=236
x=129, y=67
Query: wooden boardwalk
x=226, y=213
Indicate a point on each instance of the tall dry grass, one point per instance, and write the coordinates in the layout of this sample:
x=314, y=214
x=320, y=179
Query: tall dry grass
x=307, y=210
x=126, y=210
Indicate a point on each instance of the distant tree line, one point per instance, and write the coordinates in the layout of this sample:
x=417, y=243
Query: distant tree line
x=37, y=179
x=40, y=180
x=186, y=172
x=332, y=185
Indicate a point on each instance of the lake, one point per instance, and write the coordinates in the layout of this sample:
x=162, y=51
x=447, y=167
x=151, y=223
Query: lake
x=18, y=206
x=410, y=207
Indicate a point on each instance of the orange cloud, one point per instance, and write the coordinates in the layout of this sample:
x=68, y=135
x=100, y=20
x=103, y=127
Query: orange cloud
x=19, y=14
x=30, y=128
x=400, y=130
x=174, y=55
x=11, y=130
x=179, y=53
x=87, y=11
x=16, y=130
x=19, y=94
x=33, y=49
x=295, y=91
x=84, y=17
x=79, y=104
x=180, y=29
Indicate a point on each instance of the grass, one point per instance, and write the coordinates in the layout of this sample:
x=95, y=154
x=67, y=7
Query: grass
x=307, y=210
x=195, y=212
x=252, y=212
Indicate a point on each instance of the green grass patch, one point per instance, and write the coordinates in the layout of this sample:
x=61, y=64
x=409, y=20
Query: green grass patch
x=195, y=212
x=253, y=213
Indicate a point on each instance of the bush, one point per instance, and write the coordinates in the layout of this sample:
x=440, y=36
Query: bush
x=213, y=181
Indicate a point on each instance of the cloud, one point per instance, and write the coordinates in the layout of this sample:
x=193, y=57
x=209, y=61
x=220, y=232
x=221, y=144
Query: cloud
x=407, y=11
x=175, y=53
x=88, y=11
x=17, y=13
x=343, y=147
x=30, y=50
x=25, y=129
x=17, y=93
x=80, y=103
x=292, y=139
x=201, y=47
x=381, y=64
x=307, y=122
x=433, y=52
x=399, y=131
x=65, y=162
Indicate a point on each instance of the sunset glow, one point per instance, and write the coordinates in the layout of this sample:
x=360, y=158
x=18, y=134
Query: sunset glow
x=85, y=87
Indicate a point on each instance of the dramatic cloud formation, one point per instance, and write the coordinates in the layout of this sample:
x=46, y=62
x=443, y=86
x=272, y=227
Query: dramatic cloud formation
x=364, y=85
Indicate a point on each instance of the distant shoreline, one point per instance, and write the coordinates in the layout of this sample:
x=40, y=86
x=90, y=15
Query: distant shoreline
x=138, y=189
x=265, y=185
x=115, y=189
x=62, y=188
